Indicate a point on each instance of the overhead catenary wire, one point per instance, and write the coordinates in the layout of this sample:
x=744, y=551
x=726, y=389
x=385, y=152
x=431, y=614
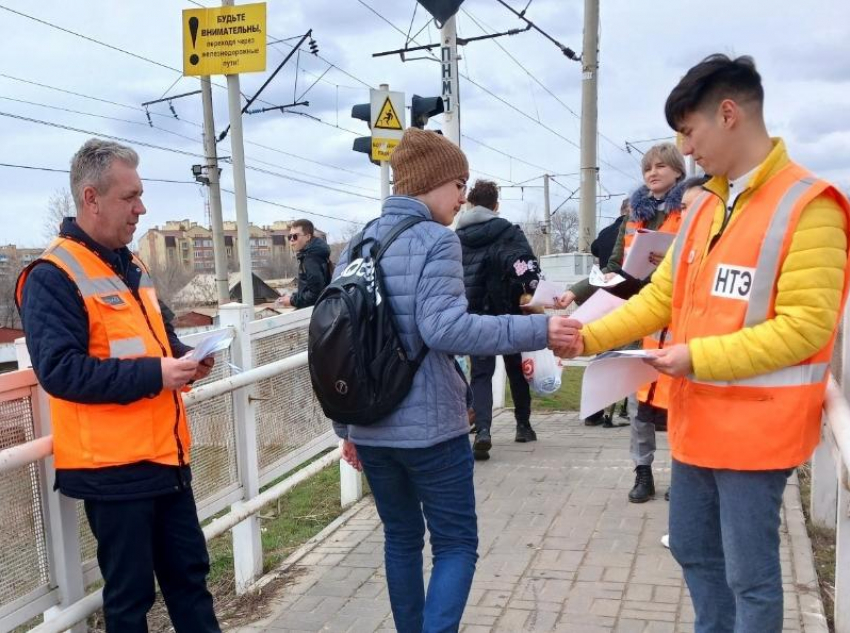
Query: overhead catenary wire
x=181, y=120
x=67, y=171
x=173, y=150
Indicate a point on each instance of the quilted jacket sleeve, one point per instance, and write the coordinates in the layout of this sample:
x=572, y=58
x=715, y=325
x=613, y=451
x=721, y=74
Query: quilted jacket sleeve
x=441, y=311
x=808, y=303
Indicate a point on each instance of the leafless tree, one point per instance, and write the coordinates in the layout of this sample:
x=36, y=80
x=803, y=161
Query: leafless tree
x=531, y=225
x=169, y=280
x=8, y=312
x=565, y=231
x=60, y=205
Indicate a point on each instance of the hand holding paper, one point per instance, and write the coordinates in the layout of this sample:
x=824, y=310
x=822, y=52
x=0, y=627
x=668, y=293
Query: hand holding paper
x=215, y=342
x=597, y=278
x=546, y=294
x=646, y=242
x=599, y=304
x=610, y=378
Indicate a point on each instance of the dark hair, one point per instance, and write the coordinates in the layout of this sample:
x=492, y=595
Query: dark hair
x=305, y=225
x=695, y=181
x=484, y=193
x=714, y=79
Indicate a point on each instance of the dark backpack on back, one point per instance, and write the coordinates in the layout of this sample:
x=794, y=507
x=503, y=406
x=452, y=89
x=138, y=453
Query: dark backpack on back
x=358, y=366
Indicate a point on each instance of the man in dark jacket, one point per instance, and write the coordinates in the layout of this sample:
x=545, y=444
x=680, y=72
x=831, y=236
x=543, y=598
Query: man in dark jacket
x=314, y=265
x=498, y=267
x=112, y=447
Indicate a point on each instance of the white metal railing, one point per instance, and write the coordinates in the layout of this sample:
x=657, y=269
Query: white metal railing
x=62, y=598
x=830, y=490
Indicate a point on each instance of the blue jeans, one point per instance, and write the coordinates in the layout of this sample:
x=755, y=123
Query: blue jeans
x=412, y=486
x=724, y=532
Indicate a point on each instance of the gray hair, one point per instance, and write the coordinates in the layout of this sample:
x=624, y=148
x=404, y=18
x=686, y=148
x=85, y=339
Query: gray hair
x=91, y=162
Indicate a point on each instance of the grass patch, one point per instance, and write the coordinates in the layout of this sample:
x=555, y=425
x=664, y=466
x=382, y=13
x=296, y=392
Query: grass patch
x=823, y=547
x=567, y=398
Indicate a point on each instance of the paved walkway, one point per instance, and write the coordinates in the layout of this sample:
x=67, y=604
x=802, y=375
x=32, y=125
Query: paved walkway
x=561, y=548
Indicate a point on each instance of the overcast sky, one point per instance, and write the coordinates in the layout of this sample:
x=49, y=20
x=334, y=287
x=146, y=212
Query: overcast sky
x=802, y=51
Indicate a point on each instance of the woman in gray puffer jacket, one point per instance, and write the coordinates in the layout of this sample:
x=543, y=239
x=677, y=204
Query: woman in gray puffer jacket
x=418, y=459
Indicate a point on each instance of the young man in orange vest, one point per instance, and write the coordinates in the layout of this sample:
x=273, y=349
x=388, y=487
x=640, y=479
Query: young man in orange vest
x=753, y=290
x=112, y=367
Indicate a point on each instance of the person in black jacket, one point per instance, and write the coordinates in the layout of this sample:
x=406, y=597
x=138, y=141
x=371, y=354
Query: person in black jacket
x=498, y=268
x=314, y=265
x=603, y=245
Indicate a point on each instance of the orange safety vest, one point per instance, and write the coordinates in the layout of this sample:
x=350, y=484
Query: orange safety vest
x=122, y=325
x=655, y=393
x=770, y=421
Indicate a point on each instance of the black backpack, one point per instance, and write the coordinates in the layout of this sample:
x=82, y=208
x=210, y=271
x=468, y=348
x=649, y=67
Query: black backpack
x=358, y=366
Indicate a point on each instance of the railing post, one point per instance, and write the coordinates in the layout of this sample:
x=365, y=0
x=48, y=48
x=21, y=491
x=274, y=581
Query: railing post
x=823, y=500
x=247, y=543
x=842, y=556
x=65, y=560
x=350, y=484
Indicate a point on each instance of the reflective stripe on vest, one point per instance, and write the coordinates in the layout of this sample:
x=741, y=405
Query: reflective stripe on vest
x=124, y=348
x=767, y=268
x=679, y=242
x=793, y=376
x=88, y=286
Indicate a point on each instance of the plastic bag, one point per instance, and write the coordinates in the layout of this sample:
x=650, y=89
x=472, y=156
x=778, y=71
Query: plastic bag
x=542, y=369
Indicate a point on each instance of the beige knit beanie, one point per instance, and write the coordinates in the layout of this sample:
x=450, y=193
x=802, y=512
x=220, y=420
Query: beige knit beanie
x=424, y=160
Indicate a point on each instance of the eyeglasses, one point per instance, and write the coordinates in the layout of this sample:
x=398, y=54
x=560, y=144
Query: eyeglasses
x=294, y=236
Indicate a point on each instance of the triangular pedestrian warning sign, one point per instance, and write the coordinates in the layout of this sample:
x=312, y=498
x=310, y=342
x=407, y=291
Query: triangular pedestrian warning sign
x=388, y=118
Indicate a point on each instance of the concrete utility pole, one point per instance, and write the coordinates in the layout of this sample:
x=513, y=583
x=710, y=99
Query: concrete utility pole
x=237, y=152
x=211, y=157
x=547, y=215
x=587, y=213
x=451, y=84
x=385, y=168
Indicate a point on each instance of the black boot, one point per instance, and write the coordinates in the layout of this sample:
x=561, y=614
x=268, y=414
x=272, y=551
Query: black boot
x=595, y=419
x=524, y=433
x=482, y=444
x=644, y=488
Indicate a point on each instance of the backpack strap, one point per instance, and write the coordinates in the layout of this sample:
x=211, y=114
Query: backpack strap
x=390, y=237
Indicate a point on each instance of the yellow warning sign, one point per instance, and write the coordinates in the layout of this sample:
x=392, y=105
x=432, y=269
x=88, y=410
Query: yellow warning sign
x=382, y=148
x=388, y=119
x=224, y=40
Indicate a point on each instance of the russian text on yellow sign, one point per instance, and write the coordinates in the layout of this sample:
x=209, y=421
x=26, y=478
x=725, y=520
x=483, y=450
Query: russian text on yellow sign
x=224, y=40
x=382, y=148
x=388, y=118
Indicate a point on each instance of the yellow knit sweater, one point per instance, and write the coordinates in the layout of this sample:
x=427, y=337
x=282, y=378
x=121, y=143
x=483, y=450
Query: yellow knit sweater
x=808, y=298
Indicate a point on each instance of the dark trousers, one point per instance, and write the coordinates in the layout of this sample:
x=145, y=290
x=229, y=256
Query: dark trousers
x=160, y=536
x=483, y=368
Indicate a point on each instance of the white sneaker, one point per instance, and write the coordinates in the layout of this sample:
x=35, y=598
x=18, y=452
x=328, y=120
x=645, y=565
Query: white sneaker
x=665, y=541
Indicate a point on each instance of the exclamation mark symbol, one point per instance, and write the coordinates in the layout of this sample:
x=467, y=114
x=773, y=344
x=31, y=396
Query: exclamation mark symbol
x=193, y=31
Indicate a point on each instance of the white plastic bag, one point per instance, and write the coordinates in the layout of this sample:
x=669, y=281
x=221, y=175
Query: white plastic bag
x=542, y=369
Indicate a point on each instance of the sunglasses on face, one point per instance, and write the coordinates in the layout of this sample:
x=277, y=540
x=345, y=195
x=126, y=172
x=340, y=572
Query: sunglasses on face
x=294, y=236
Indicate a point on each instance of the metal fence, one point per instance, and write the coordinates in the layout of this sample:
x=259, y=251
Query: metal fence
x=253, y=420
x=830, y=494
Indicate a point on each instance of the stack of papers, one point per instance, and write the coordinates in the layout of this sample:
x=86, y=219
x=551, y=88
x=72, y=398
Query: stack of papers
x=612, y=376
x=599, y=304
x=215, y=342
x=637, y=262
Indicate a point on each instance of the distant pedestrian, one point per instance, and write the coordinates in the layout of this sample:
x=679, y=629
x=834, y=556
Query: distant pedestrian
x=499, y=267
x=314, y=265
x=604, y=244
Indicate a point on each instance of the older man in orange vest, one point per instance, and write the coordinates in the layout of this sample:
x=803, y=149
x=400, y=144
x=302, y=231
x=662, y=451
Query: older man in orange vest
x=753, y=289
x=112, y=366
